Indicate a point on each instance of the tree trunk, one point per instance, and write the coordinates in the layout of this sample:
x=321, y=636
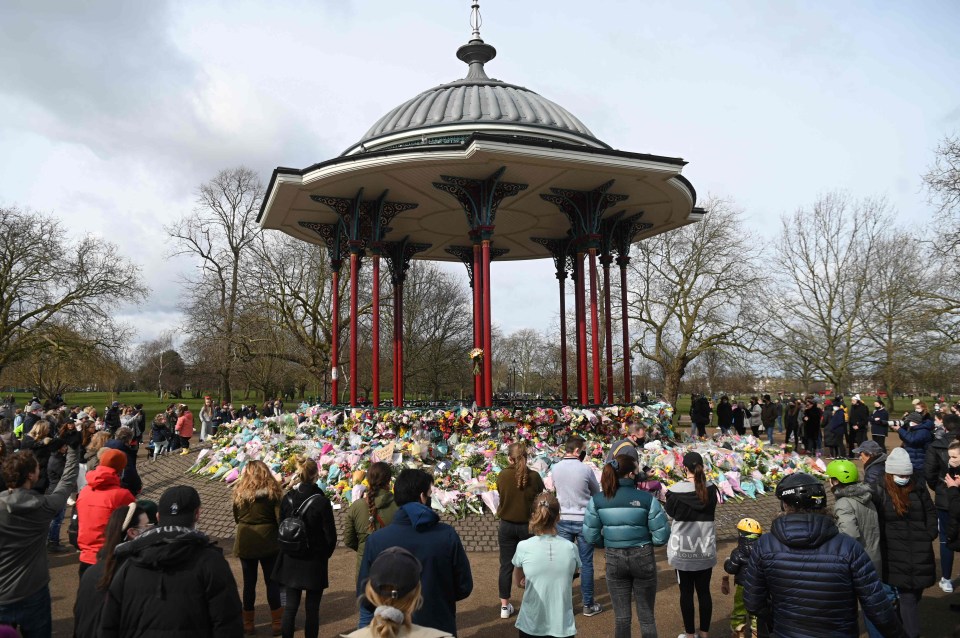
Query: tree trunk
x=671, y=378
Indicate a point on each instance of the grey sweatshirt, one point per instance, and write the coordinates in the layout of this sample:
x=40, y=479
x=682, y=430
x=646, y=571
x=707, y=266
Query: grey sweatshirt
x=576, y=484
x=24, y=522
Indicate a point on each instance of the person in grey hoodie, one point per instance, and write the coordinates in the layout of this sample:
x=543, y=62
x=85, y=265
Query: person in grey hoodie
x=692, y=549
x=856, y=516
x=25, y=518
x=576, y=484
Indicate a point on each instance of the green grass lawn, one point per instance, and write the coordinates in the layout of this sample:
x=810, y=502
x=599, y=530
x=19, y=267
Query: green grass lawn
x=100, y=400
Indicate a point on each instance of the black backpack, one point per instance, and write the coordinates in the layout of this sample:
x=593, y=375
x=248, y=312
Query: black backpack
x=293, y=534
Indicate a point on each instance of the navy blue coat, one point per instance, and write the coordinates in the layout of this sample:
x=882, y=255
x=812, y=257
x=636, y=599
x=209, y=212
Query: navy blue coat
x=916, y=439
x=446, y=576
x=812, y=576
x=878, y=422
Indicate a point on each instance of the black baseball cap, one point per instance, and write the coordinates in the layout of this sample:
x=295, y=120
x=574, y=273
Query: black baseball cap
x=178, y=506
x=395, y=573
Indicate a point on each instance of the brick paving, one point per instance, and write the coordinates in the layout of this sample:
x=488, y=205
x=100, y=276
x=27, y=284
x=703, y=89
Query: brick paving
x=479, y=533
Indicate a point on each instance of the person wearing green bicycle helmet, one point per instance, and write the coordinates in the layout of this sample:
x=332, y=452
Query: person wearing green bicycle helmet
x=854, y=510
x=856, y=514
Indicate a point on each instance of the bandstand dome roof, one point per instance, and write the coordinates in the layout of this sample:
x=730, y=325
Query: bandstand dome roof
x=470, y=128
x=476, y=103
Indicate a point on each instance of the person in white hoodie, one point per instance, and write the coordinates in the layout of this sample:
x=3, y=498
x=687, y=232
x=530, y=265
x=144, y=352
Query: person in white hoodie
x=692, y=549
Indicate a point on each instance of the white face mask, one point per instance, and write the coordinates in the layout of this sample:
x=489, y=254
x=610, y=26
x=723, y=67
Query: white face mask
x=902, y=481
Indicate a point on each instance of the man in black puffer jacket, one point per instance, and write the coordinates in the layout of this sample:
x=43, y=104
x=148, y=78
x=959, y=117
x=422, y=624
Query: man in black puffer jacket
x=808, y=576
x=174, y=581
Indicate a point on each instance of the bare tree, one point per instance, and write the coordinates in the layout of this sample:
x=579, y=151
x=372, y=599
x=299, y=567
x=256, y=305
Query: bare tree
x=157, y=360
x=694, y=290
x=822, y=257
x=898, y=321
x=942, y=181
x=48, y=282
x=437, y=330
x=219, y=234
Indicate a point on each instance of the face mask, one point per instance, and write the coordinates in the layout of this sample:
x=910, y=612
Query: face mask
x=902, y=481
x=582, y=455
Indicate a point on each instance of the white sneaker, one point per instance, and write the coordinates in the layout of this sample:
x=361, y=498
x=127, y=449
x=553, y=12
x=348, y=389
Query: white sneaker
x=506, y=612
x=946, y=585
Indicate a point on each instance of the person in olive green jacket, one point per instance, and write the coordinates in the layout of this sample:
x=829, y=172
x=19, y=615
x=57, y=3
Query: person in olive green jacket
x=256, y=509
x=518, y=486
x=368, y=514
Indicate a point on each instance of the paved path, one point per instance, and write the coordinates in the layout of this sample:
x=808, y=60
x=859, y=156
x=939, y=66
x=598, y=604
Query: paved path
x=478, y=616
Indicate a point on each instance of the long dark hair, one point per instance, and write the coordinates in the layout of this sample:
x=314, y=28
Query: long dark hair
x=899, y=496
x=378, y=478
x=615, y=470
x=115, y=534
x=700, y=483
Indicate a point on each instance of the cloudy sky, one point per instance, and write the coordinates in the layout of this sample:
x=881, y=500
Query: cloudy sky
x=113, y=112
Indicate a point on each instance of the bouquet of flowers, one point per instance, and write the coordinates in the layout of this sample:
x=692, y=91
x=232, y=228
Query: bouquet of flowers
x=476, y=355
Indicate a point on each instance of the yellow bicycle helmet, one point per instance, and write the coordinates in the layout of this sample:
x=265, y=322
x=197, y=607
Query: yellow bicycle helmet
x=750, y=526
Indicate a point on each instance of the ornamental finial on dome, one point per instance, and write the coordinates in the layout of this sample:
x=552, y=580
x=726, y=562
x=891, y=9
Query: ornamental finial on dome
x=476, y=52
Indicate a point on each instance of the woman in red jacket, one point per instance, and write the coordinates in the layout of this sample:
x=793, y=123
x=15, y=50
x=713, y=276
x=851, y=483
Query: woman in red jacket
x=185, y=427
x=97, y=501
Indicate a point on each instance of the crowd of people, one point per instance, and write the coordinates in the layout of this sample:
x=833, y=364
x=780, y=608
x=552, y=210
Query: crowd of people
x=145, y=568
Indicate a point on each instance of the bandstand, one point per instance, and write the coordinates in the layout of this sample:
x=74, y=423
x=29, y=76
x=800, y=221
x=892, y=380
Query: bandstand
x=475, y=170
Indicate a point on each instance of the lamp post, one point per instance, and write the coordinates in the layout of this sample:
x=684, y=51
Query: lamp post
x=513, y=371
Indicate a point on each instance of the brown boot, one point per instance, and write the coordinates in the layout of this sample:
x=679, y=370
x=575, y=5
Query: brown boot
x=248, y=622
x=276, y=620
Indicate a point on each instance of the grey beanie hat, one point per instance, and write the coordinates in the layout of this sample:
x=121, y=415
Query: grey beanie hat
x=898, y=462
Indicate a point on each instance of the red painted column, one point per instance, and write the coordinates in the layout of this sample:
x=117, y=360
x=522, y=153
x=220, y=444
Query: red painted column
x=594, y=328
x=562, y=279
x=400, y=342
x=477, y=321
x=627, y=372
x=396, y=346
x=375, y=329
x=582, y=383
x=335, y=346
x=487, y=341
x=354, y=323
x=608, y=336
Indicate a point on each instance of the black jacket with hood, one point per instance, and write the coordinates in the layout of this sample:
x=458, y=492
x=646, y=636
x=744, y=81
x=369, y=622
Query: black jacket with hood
x=810, y=577
x=935, y=468
x=174, y=582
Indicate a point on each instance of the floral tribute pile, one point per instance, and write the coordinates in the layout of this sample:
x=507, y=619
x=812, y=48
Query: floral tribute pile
x=465, y=450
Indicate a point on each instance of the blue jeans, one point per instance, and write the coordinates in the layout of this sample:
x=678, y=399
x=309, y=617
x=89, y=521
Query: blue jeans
x=872, y=630
x=32, y=615
x=632, y=573
x=779, y=424
x=53, y=536
x=946, y=554
x=770, y=430
x=573, y=532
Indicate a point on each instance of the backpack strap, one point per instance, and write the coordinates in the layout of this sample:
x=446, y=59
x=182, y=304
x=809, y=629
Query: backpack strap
x=304, y=505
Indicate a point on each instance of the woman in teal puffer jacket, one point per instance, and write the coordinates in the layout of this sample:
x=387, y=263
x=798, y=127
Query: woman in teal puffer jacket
x=629, y=523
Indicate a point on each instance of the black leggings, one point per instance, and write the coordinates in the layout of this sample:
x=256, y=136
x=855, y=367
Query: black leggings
x=311, y=622
x=249, y=567
x=700, y=581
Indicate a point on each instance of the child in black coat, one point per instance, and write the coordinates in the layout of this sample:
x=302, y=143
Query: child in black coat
x=742, y=625
x=159, y=436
